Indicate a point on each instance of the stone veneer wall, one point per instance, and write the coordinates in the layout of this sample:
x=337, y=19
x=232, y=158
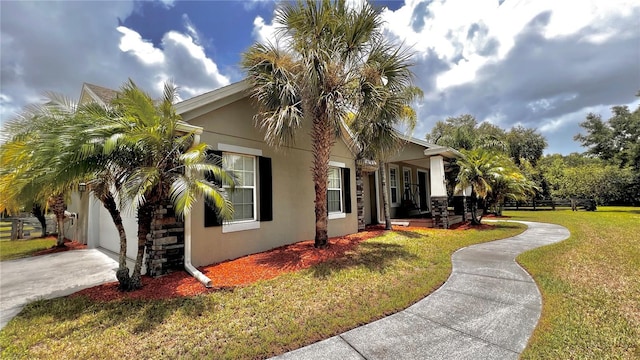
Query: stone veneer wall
x=360, y=197
x=439, y=212
x=165, y=245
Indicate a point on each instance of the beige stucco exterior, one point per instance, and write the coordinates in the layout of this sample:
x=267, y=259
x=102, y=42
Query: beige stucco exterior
x=293, y=191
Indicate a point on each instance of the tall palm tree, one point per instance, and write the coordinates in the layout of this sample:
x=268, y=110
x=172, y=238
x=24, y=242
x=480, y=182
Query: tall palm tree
x=326, y=63
x=157, y=163
x=376, y=132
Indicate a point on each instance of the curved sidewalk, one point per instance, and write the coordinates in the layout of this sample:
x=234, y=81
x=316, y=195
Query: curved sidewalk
x=487, y=309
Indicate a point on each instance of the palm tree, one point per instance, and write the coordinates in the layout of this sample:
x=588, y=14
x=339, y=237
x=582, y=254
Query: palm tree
x=490, y=175
x=156, y=163
x=376, y=131
x=41, y=162
x=326, y=63
x=30, y=162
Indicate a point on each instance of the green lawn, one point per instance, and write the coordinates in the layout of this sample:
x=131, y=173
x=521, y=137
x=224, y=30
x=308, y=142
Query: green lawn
x=10, y=250
x=590, y=284
x=382, y=276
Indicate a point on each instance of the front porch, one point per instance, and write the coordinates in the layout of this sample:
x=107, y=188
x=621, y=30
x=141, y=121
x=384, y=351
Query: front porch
x=415, y=187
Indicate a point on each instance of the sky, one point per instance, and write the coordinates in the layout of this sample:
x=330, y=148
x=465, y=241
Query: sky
x=542, y=64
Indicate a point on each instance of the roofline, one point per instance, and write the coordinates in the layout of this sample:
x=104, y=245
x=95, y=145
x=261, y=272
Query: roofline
x=94, y=96
x=212, y=100
x=433, y=149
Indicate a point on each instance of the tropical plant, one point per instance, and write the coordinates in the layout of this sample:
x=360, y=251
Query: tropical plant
x=329, y=59
x=375, y=130
x=153, y=161
x=30, y=172
x=42, y=164
x=492, y=176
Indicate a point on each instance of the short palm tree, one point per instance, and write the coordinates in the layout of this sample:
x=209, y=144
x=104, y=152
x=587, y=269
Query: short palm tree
x=156, y=163
x=489, y=174
x=327, y=62
x=30, y=163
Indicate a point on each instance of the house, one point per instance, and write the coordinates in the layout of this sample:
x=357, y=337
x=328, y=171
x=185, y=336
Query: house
x=274, y=200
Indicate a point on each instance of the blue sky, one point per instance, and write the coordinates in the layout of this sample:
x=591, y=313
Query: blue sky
x=543, y=64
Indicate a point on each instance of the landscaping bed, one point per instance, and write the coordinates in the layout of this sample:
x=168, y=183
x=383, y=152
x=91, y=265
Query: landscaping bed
x=357, y=280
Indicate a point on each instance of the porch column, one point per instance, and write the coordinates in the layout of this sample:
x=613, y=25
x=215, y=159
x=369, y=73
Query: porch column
x=439, y=199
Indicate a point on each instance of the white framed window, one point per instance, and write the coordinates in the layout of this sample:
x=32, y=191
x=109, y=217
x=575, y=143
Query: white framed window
x=338, y=190
x=393, y=185
x=406, y=177
x=334, y=191
x=243, y=197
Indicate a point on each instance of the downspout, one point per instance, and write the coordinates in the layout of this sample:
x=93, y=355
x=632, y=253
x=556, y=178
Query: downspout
x=188, y=266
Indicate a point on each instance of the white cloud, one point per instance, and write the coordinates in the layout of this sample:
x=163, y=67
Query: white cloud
x=142, y=49
x=78, y=42
x=533, y=62
x=263, y=32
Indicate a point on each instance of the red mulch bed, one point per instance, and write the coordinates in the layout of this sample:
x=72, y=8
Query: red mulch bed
x=68, y=245
x=232, y=273
x=244, y=270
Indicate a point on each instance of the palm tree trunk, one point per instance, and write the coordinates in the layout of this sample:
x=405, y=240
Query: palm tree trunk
x=39, y=213
x=323, y=139
x=122, y=274
x=145, y=216
x=474, y=208
x=385, y=197
x=56, y=203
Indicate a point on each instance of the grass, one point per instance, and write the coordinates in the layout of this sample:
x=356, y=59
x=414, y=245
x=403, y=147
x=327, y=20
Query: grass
x=590, y=285
x=381, y=276
x=17, y=249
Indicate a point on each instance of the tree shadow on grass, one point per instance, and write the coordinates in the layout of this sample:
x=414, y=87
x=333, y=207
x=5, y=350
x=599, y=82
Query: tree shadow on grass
x=372, y=255
x=85, y=316
x=410, y=234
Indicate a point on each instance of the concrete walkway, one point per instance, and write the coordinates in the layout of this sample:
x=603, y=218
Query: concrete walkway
x=487, y=309
x=48, y=276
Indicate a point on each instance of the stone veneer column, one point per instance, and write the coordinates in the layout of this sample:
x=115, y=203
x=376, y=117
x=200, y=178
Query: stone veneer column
x=360, y=198
x=439, y=199
x=439, y=212
x=165, y=245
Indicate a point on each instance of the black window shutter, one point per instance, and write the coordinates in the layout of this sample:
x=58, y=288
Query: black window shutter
x=346, y=191
x=211, y=216
x=266, y=188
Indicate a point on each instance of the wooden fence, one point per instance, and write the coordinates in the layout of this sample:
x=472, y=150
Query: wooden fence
x=551, y=204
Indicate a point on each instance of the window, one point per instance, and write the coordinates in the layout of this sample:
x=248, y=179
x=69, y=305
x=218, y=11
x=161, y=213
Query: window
x=243, y=197
x=253, y=196
x=393, y=185
x=338, y=190
x=334, y=191
x=406, y=176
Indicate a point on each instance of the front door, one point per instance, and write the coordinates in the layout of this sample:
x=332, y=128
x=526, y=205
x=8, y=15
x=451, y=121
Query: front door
x=422, y=189
x=372, y=197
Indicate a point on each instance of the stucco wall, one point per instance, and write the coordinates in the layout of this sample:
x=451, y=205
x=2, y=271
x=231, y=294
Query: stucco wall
x=293, y=192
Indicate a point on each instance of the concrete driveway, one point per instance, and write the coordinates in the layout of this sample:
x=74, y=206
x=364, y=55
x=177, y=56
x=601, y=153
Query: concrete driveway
x=48, y=276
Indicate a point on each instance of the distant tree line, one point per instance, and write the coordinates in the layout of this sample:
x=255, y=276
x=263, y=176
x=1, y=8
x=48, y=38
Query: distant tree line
x=608, y=172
